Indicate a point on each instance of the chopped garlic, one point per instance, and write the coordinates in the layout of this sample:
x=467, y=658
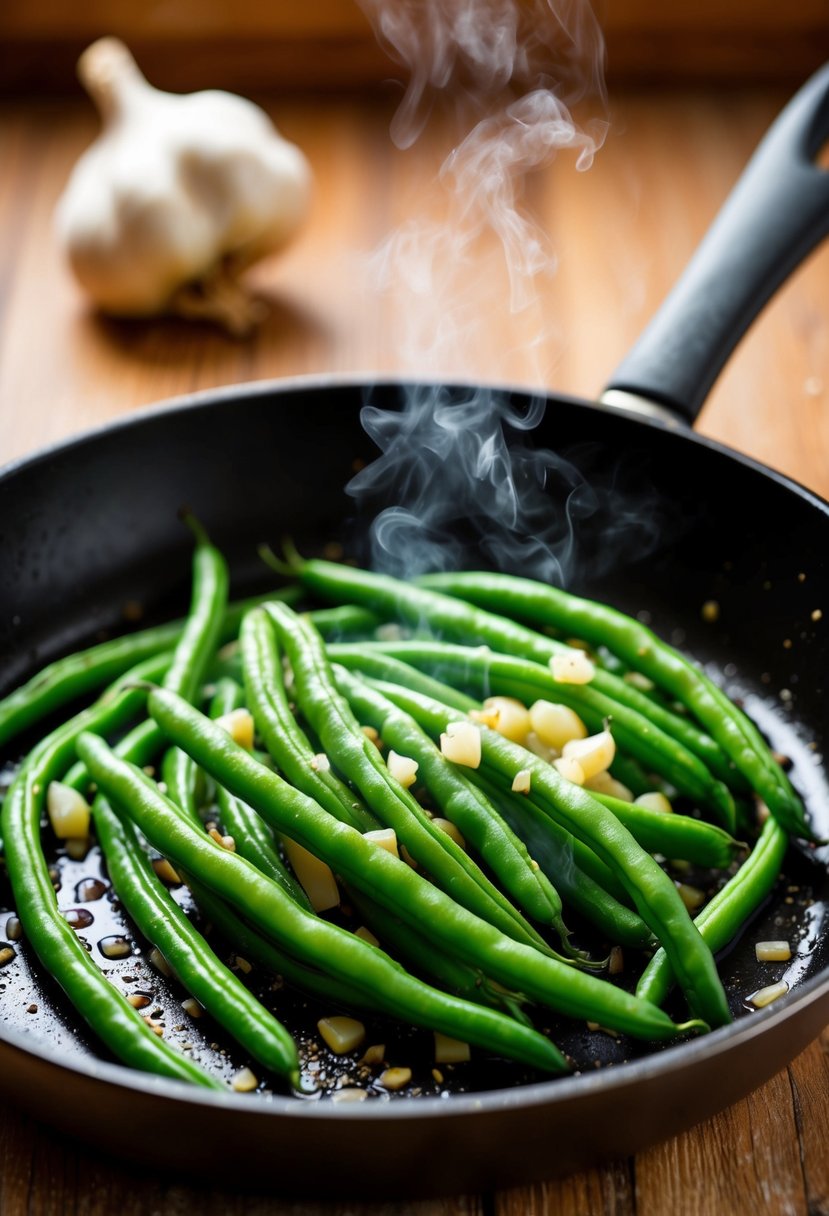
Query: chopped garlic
x=320, y=763
x=603, y=783
x=239, y=725
x=450, y=1051
x=374, y=1055
x=366, y=935
x=349, y=1093
x=402, y=768
x=450, y=830
x=570, y=769
x=765, y=996
x=461, y=743
x=595, y=754
x=692, y=897
x=556, y=725
x=384, y=838
x=572, y=667
x=654, y=801
x=244, y=1082
x=68, y=811
x=533, y=744
x=341, y=1034
x=166, y=872
x=192, y=1007
x=77, y=847
x=772, y=952
x=522, y=781
x=486, y=717
x=513, y=717
x=315, y=877
x=395, y=1078
x=159, y=962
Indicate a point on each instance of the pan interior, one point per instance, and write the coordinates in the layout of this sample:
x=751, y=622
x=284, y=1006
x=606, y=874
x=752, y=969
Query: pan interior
x=671, y=524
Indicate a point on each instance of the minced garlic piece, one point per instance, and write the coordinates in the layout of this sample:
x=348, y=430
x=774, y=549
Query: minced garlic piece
x=572, y=667
x=772, y=952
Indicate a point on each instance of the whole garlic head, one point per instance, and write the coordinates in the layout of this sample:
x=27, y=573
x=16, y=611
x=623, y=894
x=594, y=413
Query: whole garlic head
x=177, y=195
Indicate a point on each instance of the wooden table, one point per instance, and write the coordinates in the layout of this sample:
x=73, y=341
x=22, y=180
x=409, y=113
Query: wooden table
x=622, y=232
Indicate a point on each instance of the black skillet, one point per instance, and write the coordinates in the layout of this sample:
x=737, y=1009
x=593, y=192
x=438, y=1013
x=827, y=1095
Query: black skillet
x=90, y=527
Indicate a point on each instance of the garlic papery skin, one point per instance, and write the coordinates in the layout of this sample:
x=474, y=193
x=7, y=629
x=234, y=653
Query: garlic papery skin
x=177, y=195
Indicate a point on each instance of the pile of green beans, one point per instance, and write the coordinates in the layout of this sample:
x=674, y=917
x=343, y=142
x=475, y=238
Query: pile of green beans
x=484, y=929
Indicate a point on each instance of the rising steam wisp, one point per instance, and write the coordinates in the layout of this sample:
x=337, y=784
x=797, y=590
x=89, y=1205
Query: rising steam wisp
x=508, y=77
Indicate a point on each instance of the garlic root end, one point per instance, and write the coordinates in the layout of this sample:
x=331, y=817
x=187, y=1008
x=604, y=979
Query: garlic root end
x=221, y=299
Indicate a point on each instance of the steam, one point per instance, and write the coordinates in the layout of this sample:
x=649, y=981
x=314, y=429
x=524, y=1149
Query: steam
x=470, y=490
x=508, y=77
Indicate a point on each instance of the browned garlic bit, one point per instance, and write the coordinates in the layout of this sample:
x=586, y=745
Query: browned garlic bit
x=239, y=725
x=374, y=1055
x=341, y=1034
x=176, y=197
x=395, y=1078
x=166, y=872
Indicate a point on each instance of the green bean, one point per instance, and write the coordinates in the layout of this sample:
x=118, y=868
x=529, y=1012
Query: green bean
x=488, y=672
x=558, y=854
x=723, y=916
x=640, y=647
x=255, y=947
x=89, y=670
x=192, y=653
x=253, y=838
x=57, y=946
x=269, y=908
x=346, y=746
x=283, y=737
x=375, y=665
x=461, y=803
x=397, y=887
x=342, y=622
x=194, y=964
x=652, y=891
x=446, y=970
x=679, y=837
x=380, y=665
x=460, y=620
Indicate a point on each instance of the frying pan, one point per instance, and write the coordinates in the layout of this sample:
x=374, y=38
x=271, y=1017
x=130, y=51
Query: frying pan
x=90, y=526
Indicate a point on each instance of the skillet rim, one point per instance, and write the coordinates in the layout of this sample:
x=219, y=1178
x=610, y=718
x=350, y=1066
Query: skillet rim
x=675, y=1058
x=203, y=398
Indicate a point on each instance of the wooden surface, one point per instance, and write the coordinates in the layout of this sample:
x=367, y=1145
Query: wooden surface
x=622, y=232
x=245, y=44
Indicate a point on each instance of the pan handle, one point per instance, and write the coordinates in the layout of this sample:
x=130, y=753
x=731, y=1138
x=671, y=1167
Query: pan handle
x=775, y=215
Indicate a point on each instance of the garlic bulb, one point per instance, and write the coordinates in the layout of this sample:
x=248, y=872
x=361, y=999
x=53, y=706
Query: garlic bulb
x=177, y=195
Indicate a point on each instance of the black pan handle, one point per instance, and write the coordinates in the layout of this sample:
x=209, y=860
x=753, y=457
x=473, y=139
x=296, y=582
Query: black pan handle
x=773, y=218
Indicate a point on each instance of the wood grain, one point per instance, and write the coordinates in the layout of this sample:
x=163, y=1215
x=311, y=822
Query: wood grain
x=621, y=231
